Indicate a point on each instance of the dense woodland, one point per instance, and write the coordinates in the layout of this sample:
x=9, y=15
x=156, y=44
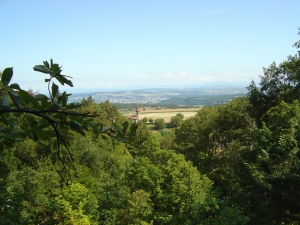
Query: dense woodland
x=235, y=163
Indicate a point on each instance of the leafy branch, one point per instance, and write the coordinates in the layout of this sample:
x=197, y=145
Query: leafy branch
x=45, y=116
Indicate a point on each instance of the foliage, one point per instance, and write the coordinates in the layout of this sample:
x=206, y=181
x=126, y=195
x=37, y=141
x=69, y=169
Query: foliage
x=202, y=138
x=235, y=163
x=167, y=139
x=177, y=120
x=76, y=205
x=274, y=168
x=159, y=124
x=175, y=187
x=279, y=83
x=50, y=121
x=42, y=116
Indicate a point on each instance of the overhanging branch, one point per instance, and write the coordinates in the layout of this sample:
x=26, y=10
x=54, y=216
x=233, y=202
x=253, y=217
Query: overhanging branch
x=38, y=112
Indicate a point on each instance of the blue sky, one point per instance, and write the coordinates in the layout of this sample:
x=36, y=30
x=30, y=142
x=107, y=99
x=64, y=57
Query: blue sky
x=113, y=45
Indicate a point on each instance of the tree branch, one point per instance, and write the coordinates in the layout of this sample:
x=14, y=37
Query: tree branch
x=38, y=112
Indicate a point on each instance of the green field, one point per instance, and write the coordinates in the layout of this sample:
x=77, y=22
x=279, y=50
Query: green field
x=166, y=114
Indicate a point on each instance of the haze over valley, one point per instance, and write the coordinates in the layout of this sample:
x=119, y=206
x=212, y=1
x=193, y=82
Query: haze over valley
x=179, y=96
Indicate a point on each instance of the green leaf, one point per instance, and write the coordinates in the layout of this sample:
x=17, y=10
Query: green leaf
x=56, y=68
x=15, y=86
x=31, y=119
x=91, y=124
x=133, y=128
x=13, y=125
x=105, y=129
x=42, y=136
x=125, y=126
x=4, y=101
x=78, y=130
x=42, y=69
x=63, y=80
x=43, y=99
x=63, y=99
x=42, y=124
x=74, y=123
x=40, y=97
x=3, y=119
x=46, y=64
x=53, y=106
x=7, y=75
x=118, y=130
x=17, y=100
x=28, y=99
x=54, y=90
x=73, y=105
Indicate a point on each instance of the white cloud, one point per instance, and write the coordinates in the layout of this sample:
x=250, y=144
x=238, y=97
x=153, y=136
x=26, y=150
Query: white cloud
x=182, y=73
x=169, y=75
x=139, y=81
x=206, y=79
x=186, y=78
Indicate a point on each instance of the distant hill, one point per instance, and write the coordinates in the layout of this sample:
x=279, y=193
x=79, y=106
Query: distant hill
x=166, y=96
x=199, y=101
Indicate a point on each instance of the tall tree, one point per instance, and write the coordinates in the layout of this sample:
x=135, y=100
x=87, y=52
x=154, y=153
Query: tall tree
x=279, y=83
x=273, y=168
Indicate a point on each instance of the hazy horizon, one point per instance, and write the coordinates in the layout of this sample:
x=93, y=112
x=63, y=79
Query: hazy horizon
x=118, y=45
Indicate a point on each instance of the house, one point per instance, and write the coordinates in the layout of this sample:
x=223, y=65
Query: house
x=135, y=118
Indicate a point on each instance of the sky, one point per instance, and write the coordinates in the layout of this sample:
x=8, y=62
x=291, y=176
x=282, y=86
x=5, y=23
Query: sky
x=122, y=45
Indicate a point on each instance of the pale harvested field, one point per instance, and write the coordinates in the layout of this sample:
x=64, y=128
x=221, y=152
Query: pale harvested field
x=166, y=114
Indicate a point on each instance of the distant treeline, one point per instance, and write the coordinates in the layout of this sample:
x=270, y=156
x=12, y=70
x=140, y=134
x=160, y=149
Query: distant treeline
x=196, y=101
x=182, y=101
x=132, y=106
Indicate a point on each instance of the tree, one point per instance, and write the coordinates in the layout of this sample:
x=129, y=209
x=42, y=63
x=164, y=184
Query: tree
x=172, y=189
x=49, y=121
x=214, y=134
x=145, y=119
x=44, y=116
x=167, y=139
x=159, y=124
x=269, y=173
x=76, y=205
x=87, y=101
x=279, y=83
x=150, y=120
x=272, y=168
x=181, y=115
x=195, y=138
x=177, y=120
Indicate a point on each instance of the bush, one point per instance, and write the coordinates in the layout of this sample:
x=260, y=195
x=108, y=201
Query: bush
x=159, y=124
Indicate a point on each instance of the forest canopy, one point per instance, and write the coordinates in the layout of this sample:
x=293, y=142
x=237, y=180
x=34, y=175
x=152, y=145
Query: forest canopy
x=71, y=163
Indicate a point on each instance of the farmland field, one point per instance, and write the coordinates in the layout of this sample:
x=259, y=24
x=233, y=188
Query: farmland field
x=166, y=114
